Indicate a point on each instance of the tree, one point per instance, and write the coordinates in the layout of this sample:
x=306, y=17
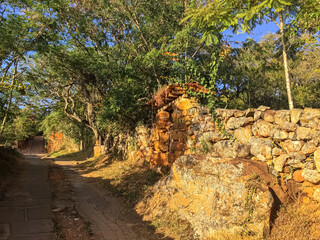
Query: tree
x=245, y=15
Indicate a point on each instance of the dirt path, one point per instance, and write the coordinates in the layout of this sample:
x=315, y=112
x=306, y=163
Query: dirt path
x=102, y=211
x=25, y=211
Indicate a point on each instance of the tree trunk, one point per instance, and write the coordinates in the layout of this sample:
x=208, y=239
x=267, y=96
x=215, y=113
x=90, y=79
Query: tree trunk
x=285, y=62
x=4, y=120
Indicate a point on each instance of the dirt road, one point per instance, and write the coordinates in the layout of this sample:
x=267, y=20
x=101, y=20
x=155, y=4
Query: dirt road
x=104, y=212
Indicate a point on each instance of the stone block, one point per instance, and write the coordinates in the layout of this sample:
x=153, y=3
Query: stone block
x=310, y=175
x=292, y=146
x=262, y=128
x=261, y=148
x=317, y=159
x=281, y=117
x=280, y=161
x=268, y=116
x=309, y=147
x=234, y=123
x=279, y=135
x=295, y=115
x=244, y=134
x=303, y=133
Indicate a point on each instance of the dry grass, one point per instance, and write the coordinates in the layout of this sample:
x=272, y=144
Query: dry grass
x=123, y=178
x=227, y=236
x=297, y=221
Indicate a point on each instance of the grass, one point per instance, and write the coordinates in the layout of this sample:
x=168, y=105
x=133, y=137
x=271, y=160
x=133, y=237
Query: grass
x=122, y=178
x=172, y=226
x=297, y=221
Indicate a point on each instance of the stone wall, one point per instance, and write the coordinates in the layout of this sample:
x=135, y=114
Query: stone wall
x=229, y=173
x=288, y=142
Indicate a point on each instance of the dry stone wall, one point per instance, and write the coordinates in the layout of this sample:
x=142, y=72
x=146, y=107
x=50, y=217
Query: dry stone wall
x=287, y=141
x=229, y=173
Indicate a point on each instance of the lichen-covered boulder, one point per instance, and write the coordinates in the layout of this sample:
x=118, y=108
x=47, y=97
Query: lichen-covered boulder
x=213, y=195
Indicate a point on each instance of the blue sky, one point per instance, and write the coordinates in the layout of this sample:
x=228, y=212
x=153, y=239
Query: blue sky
x=258, y=32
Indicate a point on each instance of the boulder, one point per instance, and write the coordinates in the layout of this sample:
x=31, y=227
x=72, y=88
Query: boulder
x=212, y=195
x=261, y=148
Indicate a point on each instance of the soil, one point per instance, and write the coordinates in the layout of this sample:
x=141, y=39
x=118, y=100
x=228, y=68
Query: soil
x=68, y=222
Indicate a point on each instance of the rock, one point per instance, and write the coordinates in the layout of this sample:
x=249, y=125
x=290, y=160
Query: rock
x=263, y=108
x=239, y=113
x=312, y=176
x=235, y=123
x=281, y=117
x=292, y=146
x=193, y=128
x=295, y=159
x=185, y=104
x=243, y=134
x=295, y=115
x=289, y=127
x=279, y=162
x=212, y=195
x=268, y=116
x=297, y=176
x=303, y=133
x=210, y=137
x=231, y=149
x=250, y=112
x=316, y=195
x=310, y=117
x=207, y=126
x=257, y=115
x=225, y=113
x=309, y=147
x=293, y=136
x=279, y=134
x=317, y=159
x=163, y=115
x=262, y=128
x=277, y=151
x=261, y=148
